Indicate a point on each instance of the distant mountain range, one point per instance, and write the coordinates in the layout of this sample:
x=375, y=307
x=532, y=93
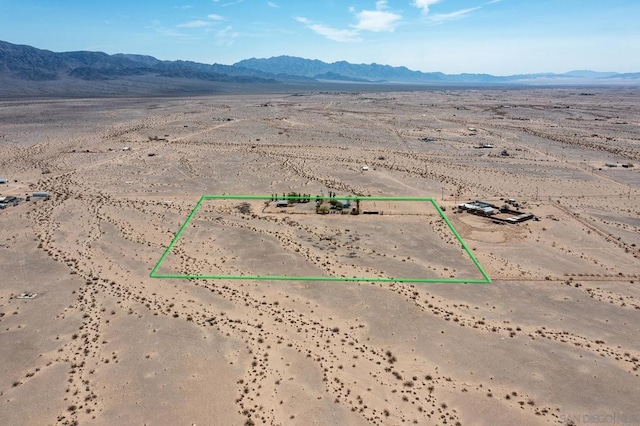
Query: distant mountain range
x=28, y=71
x=385, y=73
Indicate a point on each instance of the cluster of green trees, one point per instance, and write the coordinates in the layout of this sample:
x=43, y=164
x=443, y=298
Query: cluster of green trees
x=293, y=197
x=319, y=199
x=322, y=208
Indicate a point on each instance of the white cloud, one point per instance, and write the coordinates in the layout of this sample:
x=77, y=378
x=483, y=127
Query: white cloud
x=164, y=31
x=229, y=3
x=334, y=34
x=226, y=36
x=442, y=17
x=272, y=4
x=439, y=18
x=424, y=4
x=195, y=24
x=376, y=20
x=201, y=23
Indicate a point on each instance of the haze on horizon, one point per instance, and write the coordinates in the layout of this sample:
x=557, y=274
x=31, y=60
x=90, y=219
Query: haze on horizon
x=499, y=37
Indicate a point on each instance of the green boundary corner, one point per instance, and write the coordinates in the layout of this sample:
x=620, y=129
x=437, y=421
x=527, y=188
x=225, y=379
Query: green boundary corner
x=155, y=274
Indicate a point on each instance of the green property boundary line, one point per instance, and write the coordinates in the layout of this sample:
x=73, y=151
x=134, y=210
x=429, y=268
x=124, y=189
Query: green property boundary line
x=155, y=274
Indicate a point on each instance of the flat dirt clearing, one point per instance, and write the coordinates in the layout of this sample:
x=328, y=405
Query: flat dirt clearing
x=408, y=240
x=555, y=337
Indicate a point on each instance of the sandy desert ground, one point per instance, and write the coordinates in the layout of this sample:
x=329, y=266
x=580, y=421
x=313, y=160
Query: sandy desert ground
x=553, y=339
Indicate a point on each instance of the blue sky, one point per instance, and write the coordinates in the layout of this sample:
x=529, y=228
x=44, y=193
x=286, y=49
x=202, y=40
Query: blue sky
x=453, y=36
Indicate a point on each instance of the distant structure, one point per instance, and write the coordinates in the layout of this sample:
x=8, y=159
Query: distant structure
x=27, y=295
x=41, y=194
x=480, y=208
x=504, y=214
x=8, y=200
x=611, y=164
x=4, y=181
x=365, y=168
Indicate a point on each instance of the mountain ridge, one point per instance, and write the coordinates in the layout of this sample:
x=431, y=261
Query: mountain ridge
x=311, y=67
x=25, y=69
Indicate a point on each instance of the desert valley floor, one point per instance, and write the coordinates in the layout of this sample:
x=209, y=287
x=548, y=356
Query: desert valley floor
x=553, y=339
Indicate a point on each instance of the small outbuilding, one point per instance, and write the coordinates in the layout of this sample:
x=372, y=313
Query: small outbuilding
x=365, y=168
x=8, y=200
x=27, y=295
x=4, y=181
x=479, y=208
